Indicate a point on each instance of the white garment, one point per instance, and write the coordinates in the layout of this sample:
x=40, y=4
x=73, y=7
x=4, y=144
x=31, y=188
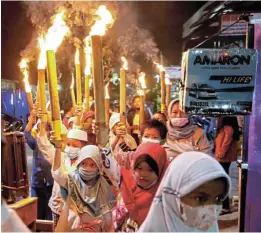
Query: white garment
x=10, y=221
x=136, y=121
x=184, y=174
x=56, y=201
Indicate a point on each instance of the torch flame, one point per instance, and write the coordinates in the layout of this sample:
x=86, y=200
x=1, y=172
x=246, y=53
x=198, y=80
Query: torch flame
x=167, y=81
x=77, y=57
x=72, y=84
x=159, y=66
x=125, y=63
x=99, y=28
x=142, y=80
x=107, y=96
x=24, y=68
x=88, y=58
x=140, y=92
x=42, y=57
x=56, y=33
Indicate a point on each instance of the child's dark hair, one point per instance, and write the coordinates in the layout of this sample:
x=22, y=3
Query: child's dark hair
x=232, y=121
x=155, y=124
x=135, y=97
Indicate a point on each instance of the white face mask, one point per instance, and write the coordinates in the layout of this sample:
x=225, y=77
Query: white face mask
x=72, y=152
x=201, y=217
x=145, y=140
x=179, y=122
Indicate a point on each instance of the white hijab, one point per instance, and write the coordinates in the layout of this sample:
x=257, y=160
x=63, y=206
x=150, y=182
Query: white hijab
x=186, y=173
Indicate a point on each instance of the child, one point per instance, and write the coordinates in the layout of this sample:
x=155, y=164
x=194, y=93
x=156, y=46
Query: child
x=90, y=198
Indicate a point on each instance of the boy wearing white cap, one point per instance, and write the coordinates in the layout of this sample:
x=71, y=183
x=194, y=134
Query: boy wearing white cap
x=76, y=139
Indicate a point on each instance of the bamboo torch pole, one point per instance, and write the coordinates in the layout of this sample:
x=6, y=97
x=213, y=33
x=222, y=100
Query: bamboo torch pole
x=98, y=84
x=87, y=72
x=162, y=90
x=142, y=103
x=41, y=96
x=123, y=91
x=107, y=105
x=72, y=92
x=54, y=38
x=78, y=85
x=168, y=90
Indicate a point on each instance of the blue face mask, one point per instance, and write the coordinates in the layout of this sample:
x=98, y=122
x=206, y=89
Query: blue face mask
x=88, y=175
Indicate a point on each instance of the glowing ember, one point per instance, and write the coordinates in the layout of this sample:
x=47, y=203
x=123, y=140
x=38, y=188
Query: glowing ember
x=88, y=57
x=100, y=26
x=125, y=63
x=107, y=96
x=72, y=84
x=140, y=92
x=77, y=57
x=160, y=67
x=142, y=80
x=24, y=68
x=167, y=81
x=42, y=56
x=56, y=33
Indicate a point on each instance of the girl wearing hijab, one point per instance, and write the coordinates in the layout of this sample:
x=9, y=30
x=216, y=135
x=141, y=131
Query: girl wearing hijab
x=90, y=198
x=76, y=139
x=140, y=183
x=189, y=199
x=183, y=135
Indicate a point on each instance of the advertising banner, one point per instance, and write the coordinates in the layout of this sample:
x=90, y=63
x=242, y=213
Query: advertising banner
x=218, y=81
x=237, y=29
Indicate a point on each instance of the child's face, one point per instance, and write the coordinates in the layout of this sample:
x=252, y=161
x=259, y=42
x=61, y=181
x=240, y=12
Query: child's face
x=152, y=133
x=210, y=193
x=74, y=143
x=89, y=164
x=144, y=174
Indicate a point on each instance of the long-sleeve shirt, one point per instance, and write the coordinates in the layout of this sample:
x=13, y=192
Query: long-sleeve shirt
x=56, y=202
x=41, y=168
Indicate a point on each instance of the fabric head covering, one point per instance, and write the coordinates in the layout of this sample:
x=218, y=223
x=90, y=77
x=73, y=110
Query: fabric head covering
x=186, y=173
x=72, y=119
x=97, y=199
x=78, y=134
x=114, y=119
x=88, y=114
x=136, y=199
x=175, y=133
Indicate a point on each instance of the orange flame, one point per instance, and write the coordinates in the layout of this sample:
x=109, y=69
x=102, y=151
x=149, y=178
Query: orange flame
x=42, y=56
x=24, y=68
x=142, y=80
x=159, y=66
x=107, y=96
x=72, y=84
x=77, y=57
x=140, y=92
x=99, y=28
x=125, y=63
x=88, y=58
x=56, y=32
x=167, y=81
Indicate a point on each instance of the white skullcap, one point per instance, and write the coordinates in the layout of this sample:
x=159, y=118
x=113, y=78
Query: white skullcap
x=78, y=134
x=114, y=119
x=72, y=119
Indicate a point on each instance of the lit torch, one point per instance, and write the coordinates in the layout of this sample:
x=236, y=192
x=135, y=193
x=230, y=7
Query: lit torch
x=123, y=90
x=72, y=92
x=54, y=38
x=162, y=85
x=98, y=30
x=24, y=68
x=87, y=72
x=107, y=104
x=41, y=78
x=142, y=96
x=168, y=87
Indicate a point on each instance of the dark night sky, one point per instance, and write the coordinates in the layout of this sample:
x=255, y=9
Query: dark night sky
x=163, y=19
